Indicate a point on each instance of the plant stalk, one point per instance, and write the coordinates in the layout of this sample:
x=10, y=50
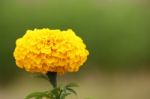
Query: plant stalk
x=52, y=78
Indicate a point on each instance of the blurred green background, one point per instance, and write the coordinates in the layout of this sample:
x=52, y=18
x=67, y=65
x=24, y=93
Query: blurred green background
x=117, y=32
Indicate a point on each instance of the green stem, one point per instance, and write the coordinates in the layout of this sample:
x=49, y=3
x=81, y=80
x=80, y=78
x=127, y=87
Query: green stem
x=52, y=78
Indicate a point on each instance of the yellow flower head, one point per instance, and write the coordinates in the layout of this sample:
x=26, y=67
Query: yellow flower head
x=45, y=50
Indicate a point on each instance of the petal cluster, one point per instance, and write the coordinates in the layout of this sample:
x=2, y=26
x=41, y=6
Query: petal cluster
x=46, y=50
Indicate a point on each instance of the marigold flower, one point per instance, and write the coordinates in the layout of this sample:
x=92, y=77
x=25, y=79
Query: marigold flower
x=45, y=50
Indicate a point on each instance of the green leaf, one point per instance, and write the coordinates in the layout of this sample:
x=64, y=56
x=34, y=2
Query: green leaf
x=32, y=95
x=55, y=93
x=64, y=95
x=38, y=95
x=72, y=85
x=72, y=91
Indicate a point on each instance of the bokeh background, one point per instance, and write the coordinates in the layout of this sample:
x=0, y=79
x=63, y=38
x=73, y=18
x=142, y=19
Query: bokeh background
x=117, y=34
